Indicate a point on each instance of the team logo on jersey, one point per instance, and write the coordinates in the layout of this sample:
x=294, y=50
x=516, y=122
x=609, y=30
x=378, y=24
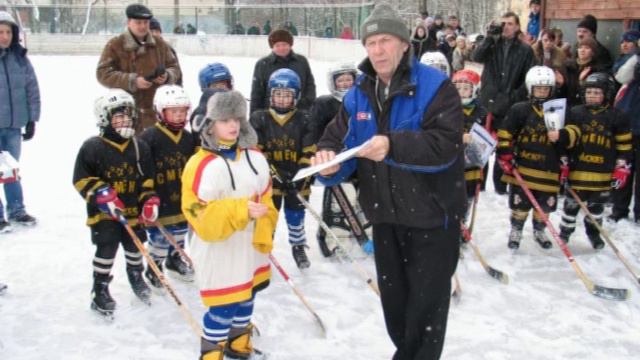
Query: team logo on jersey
x=363, y=116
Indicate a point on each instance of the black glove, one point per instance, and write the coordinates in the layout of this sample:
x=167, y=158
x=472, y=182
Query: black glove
x=495, y=29
x=159, y=71
x=29, y=131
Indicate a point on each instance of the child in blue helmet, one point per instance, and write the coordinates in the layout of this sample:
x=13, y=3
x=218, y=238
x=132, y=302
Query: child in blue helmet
x=286, y=136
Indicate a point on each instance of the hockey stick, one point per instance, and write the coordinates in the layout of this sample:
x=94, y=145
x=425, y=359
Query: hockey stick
x=172, y=240
x=152, y=264
x=457, y=289
x=494, y=273
x=372, y=284
x=604, y=233
x=476, y=197
x=286, y=278
x=350, y=214
x=597, y=290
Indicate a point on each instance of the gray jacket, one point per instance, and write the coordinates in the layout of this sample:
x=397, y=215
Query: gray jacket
x=19, y=89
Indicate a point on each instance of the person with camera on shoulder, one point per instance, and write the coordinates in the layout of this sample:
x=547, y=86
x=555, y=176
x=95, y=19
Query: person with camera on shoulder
x=506, y=62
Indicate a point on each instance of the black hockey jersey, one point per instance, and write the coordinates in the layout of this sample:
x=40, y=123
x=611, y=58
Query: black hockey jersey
x=324, y=110
x=605, y=136
x=170, y=152
x=127, y=167
x=287, y=141
x=524, y=134
x=475, y=114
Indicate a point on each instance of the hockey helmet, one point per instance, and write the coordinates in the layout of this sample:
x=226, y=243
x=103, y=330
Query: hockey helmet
x=540, y=76
x=334, y=73
x=284, y=79
x=171, y=96
x=437, y=60
x=471, y=77
x=114, y=101
x=213, y=73
x=601, y=81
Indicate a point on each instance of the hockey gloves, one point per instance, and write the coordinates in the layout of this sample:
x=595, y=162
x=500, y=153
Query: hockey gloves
x=564, y=170
x=29, y=131
x=506, y=163
x=150, y=210
x=620, y=175
x=108, y=201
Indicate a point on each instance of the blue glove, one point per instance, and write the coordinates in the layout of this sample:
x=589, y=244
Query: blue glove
x=368, y=247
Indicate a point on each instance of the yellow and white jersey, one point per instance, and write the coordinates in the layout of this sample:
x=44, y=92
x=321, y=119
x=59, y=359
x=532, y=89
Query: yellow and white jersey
x=230, y=251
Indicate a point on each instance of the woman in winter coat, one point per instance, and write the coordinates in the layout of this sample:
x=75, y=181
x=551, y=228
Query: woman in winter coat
x=578, y=69
x=421, y=42
x=548, y=54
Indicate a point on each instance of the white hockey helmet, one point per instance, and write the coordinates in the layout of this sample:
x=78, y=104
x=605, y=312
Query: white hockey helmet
x=169, y=96
x=540, y=76
x=334, y=72
x=437, y=60
x=104, y=106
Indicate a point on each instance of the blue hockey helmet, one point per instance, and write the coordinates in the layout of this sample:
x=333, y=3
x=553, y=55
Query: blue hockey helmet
x=213, y=73
x=285, y=79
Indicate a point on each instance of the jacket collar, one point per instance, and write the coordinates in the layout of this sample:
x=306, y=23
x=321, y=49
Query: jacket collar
x=130, y=43
x=401, y=78
x=275, y=58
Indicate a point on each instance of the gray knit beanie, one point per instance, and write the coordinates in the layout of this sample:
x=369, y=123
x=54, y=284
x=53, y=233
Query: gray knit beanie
x=224, y=105
x=6, y=18
x=384, y=20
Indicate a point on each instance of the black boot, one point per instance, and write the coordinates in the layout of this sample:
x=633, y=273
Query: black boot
x=138, y=285
x=514, y=238
x=542, y=239
x=179, y=267
x=154, y=280
x=565, y=234
x=101, y=300
x=300, y=256
x=596, y=240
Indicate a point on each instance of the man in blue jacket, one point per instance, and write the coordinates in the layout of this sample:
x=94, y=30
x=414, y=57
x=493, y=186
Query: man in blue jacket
x=411, y=178
x=19, y=108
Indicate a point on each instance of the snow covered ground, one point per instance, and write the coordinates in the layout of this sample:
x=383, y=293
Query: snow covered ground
x=544, y=313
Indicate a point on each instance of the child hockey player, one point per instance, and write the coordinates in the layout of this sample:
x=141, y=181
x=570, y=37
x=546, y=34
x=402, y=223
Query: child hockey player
x=523, y=141
x=437, y=60
x=603, y=153
x=286, y=135
x=467, y=83
x=171, y=146
x=213, y=78
x=114, y=175
x=339, y=80
x=226, y=197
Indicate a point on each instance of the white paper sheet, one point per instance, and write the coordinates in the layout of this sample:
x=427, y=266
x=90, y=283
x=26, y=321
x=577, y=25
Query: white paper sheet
x=341, y=157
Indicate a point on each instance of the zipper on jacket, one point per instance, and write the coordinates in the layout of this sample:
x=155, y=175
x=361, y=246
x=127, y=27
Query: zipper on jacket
x=6, y=74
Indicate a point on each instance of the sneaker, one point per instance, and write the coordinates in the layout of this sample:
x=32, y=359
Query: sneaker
x=616, y=216
x=5, y=226
x=541, y=239
x=300, y=256
x=23, y=219
x=179, y=267
x=596, y=241
x=514, y=239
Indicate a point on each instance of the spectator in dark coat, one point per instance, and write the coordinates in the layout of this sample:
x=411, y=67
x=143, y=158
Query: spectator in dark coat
x=254, y=29
x=266, y=29
x=19, y=108
x=506, y=62
x=282, y=56
x=588, y=28
x=579, y=68
x=421, y=42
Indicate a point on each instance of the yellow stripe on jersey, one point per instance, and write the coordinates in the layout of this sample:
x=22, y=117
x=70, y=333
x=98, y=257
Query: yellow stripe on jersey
x=548, y=175
x=505, y=134
x=623, y=137
x=574, y=134
x=473, y=174
x=121, y=147
x=624, y=147
x=174, y=137
x=589, y=176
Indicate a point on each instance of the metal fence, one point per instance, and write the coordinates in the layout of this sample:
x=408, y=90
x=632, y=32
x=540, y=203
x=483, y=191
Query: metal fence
x=319, y=20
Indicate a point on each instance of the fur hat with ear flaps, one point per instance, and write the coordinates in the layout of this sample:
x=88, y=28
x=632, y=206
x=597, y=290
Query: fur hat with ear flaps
x=225, y=105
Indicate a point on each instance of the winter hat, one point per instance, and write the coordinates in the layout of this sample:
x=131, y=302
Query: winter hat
x=536, y=2
x=384, y=20
x=138, y=11
x=6, y=18
x=590, y=23
x=590, y=43
x=438, y=17
x=631, y=36
x=154, y=24
x=280, y=35
x=225, y=105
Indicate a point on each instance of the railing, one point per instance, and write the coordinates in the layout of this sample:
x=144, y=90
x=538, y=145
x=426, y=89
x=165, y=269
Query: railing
x=319, y=20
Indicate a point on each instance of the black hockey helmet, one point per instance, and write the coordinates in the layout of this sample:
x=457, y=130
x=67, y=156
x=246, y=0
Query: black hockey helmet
x=602, y=81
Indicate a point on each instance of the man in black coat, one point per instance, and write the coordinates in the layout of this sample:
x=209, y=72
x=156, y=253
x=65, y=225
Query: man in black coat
x=282, y=56
x=588, y=28
x=411, y=177
x=506, y=62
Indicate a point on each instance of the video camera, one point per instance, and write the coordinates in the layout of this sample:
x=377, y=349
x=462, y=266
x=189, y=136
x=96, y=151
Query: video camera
x=495, y=29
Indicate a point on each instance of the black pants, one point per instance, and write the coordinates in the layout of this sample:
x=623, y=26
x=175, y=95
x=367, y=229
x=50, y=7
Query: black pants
x=414, y=274
x=621, y=198
x=107, y=236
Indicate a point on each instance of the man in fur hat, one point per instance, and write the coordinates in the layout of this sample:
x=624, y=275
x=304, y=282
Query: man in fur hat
x=138, y=62
x=411, y=177
x=282, y=56
x=588, y=28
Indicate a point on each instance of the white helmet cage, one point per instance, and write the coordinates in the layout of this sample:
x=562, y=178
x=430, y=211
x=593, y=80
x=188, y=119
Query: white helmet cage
x=437, y=60
x=104, y=106
x=540, y=76
x=168, y=96
x=332, y=75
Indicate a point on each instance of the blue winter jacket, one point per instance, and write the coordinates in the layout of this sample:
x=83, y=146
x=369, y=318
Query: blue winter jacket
x=19, y=91
x=533, y=28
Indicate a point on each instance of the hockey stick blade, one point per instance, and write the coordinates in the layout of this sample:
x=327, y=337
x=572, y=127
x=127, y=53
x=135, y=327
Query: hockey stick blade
x=493, y=272
x=610, y=293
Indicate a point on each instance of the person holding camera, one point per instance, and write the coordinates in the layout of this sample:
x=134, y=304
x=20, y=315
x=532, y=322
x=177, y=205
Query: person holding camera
x=138, y=62
x=506, y=62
